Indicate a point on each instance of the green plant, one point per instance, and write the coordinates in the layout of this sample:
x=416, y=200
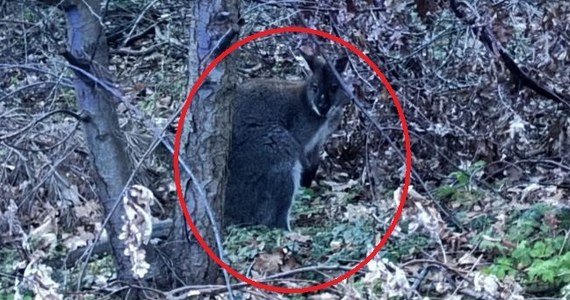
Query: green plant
x=242, y=244
x=535, y=262
x=463, y=177
x=460, y=188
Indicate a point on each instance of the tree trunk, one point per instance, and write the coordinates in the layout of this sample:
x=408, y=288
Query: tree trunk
x=206, y=138
x=88, y=51
x=180, y=260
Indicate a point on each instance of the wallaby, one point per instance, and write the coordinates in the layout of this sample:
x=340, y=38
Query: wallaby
x=278, y=129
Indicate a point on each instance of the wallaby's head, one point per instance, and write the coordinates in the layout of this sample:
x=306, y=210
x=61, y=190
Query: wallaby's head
x=323, y=88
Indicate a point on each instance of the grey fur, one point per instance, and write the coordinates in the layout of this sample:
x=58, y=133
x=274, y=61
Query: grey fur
x=278, y=129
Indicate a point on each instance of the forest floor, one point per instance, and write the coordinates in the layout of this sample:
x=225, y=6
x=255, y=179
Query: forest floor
x=488, y=211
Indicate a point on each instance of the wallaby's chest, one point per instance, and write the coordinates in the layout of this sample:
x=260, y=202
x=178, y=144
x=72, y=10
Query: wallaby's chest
x=275, y=103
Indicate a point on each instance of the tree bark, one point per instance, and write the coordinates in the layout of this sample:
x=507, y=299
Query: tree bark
x=88, y=51
x=206, y=138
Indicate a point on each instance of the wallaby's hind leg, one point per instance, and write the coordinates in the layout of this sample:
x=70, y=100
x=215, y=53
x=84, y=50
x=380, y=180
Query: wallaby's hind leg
x=264, y=176
x=289, y=189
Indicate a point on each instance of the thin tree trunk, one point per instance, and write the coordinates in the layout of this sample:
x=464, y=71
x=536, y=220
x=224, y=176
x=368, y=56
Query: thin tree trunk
x=88, y=51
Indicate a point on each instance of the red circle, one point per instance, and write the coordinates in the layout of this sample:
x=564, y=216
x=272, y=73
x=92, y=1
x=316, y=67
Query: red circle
x=195, y=88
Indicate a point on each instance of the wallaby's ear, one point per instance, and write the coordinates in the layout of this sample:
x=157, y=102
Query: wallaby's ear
x=307, y=53
x=340, y=64
x=315, y=62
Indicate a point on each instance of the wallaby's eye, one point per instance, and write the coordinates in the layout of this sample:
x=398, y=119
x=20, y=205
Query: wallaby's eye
x=334, y=86
x=315, y=86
